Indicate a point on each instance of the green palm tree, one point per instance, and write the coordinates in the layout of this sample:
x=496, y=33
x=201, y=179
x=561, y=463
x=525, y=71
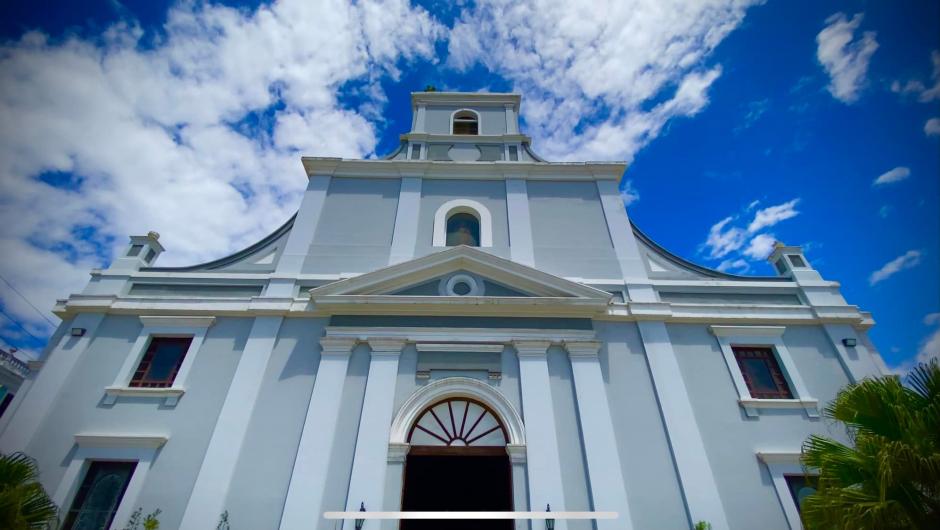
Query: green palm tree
x=891, y=477
x=24, y=503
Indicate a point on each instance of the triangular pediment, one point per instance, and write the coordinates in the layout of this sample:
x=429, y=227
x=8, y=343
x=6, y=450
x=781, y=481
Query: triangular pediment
x=429, y=281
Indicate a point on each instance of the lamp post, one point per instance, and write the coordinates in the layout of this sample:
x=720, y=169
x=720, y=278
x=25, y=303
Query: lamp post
x=549, y=523
x=360, y=522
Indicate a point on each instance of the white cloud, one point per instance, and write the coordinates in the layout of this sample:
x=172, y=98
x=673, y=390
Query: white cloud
x=589, y=70
x=628, y=194
x=928, y=350
x=895, y=175
x=932, y=127
x=772, y=215
x=930, y=347
x=723, y=241
x=734, y=265
x=162, y=134
x=884, y=211
x=727, y=237
x=760, y=246
x=933, y=92
x=843, y=57
x=908, y=260
x=914, y=86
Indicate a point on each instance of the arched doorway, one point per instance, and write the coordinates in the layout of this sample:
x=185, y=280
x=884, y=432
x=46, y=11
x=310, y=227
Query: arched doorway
x=457, y=462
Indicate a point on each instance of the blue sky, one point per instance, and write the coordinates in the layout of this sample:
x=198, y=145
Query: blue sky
x=725, y=109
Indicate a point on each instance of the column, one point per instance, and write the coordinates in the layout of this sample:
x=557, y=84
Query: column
x=33, y=409
x=520, y=223
x=370, y=463
x=300, y=238
x=542, y=455
x=688, y=449
x=207, y=500
x=405, y=234
x=303, y=509
x=608, y=489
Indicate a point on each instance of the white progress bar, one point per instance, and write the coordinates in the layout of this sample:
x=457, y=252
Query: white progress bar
x=470, y=515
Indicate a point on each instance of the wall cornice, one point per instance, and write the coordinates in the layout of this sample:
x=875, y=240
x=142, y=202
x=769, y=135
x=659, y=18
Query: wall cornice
x=719, y=314
x=499, y=170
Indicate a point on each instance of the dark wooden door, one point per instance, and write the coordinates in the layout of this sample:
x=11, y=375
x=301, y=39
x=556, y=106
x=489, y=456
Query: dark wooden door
x=455, y=481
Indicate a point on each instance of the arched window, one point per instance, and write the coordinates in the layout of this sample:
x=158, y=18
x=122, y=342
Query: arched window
x=458, y=422
x=466, y=122
x=463, y=229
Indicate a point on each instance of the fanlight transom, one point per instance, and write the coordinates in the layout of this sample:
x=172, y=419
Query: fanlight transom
x=458, y=422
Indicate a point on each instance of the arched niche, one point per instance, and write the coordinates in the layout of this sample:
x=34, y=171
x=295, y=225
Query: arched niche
x=462, y=206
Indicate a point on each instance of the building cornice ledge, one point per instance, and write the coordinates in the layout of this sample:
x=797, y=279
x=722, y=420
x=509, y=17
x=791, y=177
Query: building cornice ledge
x=498, y=170
x=150, y=441
x=779, y=457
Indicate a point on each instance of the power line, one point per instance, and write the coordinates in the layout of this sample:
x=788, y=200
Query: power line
x=43, y=315
x=11, y=319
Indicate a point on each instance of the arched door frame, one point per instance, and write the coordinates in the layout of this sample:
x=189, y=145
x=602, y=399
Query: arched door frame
x=457, y=387
x=461, y=387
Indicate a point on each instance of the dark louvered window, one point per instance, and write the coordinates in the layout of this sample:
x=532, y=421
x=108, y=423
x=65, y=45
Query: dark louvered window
x=99, y=495
x=761, y=372
x=161, y=362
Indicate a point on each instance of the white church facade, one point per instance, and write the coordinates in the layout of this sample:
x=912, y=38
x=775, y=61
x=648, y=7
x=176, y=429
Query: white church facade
x=460, y=326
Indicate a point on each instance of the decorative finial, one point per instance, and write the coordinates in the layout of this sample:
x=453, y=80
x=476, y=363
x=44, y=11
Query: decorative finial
x=153, y=235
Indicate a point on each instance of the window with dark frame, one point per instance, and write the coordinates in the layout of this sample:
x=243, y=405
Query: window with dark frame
x=5, y=403
x=99, y=495
x=161, y=362
x=800, y=486
x=761, y=372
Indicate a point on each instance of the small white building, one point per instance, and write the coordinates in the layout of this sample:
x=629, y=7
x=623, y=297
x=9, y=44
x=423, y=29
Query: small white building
x=458, y=326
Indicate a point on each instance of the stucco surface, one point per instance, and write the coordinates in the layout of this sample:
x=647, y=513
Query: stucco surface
x=649, y=472
x=732, y=440
x=569, y=230
x=491, y=194
x=270, y=447
x=188, y=425
x=354, y=233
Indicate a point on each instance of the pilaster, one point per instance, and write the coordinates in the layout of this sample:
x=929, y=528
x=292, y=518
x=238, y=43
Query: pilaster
x=685, y=440
x=300, y=237
x=304, y=508
x=608, y=489
x=517, y=461
x=621, y=233
x=405, y=235
x=370, y=463
x=207, y=500
x=50, y=380
x=542, y=453
x=520, y=222
x=857, y=360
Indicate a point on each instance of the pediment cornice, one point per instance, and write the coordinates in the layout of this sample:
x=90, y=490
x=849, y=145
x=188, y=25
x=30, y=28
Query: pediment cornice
x=546, y=293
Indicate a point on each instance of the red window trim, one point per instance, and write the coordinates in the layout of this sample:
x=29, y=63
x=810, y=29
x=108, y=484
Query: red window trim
x=140, y=379
x=767, y=355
